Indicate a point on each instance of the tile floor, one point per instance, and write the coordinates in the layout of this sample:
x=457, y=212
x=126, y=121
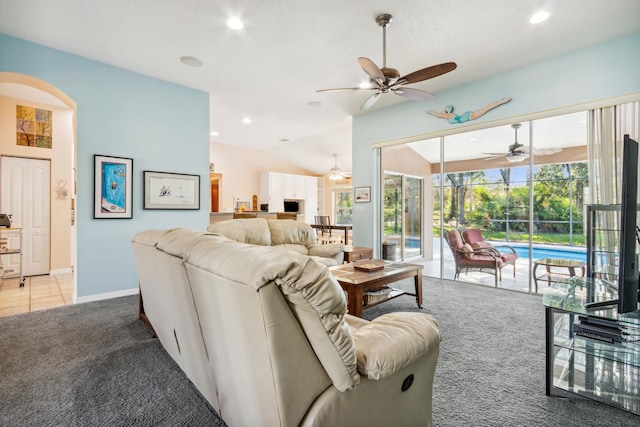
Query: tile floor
x=38, y=293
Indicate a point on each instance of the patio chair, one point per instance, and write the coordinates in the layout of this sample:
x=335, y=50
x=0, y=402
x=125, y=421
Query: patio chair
x=485, y=260
x=474, y=237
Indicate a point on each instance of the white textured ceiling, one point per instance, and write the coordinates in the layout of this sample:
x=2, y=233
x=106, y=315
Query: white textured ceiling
x=288, y=49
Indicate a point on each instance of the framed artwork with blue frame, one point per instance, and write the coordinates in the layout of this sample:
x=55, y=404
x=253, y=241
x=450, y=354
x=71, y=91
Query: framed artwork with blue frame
x=113, y=187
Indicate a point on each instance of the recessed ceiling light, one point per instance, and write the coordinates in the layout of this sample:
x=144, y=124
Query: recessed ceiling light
x=235, y=23
x=214, y=133
x=246, y=120
x=191, y=61
x=539, y=17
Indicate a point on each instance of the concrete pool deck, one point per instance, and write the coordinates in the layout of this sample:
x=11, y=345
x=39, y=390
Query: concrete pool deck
x=522, y=282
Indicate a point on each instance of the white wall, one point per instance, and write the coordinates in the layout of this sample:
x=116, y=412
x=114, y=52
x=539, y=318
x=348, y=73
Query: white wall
x=241, y=167
x=591, y=75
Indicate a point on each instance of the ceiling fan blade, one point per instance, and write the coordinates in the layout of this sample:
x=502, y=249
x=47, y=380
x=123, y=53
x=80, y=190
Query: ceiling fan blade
x=428, y=73
x=546, y=151
x=494, y=156
x=371, y=69
x=345, y=88
x=370, y=101
x=415, y=94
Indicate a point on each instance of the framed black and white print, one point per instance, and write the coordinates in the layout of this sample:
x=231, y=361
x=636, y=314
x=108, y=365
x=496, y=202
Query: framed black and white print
x=166, y=190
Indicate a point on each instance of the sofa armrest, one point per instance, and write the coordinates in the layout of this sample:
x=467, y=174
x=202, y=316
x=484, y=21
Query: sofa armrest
x=393, y=341
x=331, y=250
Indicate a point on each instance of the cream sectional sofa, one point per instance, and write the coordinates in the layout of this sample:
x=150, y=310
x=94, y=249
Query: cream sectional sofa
x=266, y=339
x=297, y=236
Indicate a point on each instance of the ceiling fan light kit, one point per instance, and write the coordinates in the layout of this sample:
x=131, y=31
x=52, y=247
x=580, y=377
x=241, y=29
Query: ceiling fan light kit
x=387, y=79
x=335, y=173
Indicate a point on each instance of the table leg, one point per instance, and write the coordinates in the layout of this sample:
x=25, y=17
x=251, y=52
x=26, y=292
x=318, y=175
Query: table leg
x=354, y=295
x=548, y=275
x=418, y=284
x=346, y=237
x=535, y=278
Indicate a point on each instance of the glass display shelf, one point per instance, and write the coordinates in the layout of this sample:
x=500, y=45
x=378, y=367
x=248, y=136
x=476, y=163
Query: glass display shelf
x=584, y=367
x=574, y=293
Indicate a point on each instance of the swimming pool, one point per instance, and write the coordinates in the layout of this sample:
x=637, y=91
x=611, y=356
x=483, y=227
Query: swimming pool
x=577, y=253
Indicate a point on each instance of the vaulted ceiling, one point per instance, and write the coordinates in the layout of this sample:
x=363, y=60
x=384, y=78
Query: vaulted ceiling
x=270, y=70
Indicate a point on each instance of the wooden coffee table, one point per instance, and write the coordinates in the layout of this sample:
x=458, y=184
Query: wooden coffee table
x=356, y=282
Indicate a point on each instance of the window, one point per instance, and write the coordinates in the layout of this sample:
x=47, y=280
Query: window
x=343, y=205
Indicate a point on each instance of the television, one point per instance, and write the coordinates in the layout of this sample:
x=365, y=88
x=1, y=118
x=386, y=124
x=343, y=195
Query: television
x=628, y=263
x=628, y=288
x=290, y=206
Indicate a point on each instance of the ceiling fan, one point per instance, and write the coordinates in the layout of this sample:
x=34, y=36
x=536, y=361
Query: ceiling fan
x=335, y=173
x=385, y=79
x=518, y=152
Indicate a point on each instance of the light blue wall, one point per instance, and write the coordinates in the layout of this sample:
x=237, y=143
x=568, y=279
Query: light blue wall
x=602, y=71
x=162, y=126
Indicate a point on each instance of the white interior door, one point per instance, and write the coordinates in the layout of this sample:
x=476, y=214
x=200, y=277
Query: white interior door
x=26, y=197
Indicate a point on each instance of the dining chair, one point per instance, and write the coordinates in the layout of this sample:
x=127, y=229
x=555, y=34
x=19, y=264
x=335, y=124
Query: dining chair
x=324, y=222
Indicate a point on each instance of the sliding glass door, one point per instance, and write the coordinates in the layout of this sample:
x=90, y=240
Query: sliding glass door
x=521, y=185
x=402, y=216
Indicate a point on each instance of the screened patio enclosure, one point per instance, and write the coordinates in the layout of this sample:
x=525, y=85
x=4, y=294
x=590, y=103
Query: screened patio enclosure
x=525, y=186
x=470, y=180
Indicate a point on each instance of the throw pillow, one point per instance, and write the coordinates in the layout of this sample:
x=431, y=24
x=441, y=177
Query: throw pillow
x=482, y=245
x=468, y=250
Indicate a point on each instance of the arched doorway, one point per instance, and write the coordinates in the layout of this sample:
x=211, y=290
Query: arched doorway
x=22, y=90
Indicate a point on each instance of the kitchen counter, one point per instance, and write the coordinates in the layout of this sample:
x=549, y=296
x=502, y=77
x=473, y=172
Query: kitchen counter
x=225, y=216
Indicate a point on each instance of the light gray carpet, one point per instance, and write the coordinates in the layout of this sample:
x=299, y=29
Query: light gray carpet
x=96, y=364
x=491, y=369
x=92, y=364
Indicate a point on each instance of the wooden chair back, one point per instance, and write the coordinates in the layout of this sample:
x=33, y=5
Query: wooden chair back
x=287, y=215
x=245, y=215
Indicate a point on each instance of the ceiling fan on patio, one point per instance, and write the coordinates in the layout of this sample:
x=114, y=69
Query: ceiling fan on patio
x=517, y=152
x=386, y=79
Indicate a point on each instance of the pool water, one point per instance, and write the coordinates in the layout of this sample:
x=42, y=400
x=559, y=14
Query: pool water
x=578, y=254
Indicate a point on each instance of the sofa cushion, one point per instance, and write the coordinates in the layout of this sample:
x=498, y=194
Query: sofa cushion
x=148, y=237
x=292, y=233
x=254, y=231
x=295, y=248
x=312, y=292
x=175, y=241
x=329, y=262
x=393, y=341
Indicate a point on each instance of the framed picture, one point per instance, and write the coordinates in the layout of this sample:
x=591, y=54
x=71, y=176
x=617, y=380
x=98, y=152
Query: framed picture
x=112, y=187
x=362, y=194
x=164, y=190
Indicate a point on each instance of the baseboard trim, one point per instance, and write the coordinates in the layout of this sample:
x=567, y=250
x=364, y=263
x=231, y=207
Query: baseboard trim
x=60, y=271
x=109, y=295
